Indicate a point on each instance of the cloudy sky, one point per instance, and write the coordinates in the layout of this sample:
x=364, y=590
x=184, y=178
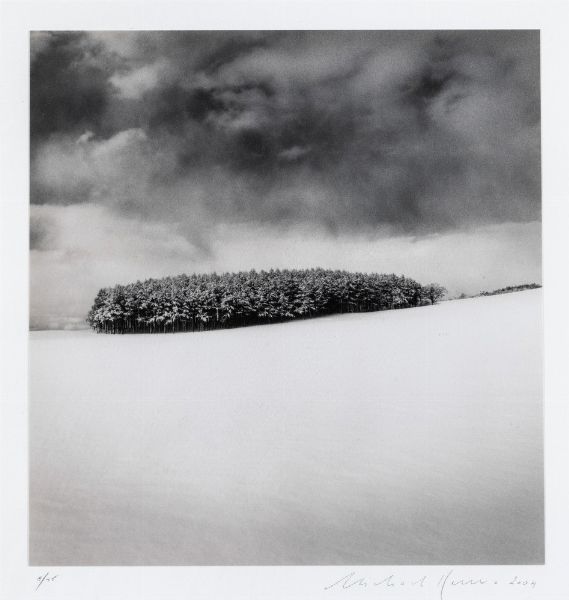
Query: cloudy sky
x=156, y=153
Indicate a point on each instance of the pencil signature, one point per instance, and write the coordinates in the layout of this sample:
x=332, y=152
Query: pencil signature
x=440, y=586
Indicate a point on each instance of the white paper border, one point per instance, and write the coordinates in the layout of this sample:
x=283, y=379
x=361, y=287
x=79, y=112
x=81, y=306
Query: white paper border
x=17, y=580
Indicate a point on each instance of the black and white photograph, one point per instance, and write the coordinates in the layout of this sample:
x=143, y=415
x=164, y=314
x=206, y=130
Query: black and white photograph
x=285, y=298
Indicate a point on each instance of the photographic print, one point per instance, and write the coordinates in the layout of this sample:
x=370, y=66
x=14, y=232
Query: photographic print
x=285, y=298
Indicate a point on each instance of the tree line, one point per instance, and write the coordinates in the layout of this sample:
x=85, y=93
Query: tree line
x=201, y=302
x=512, y=288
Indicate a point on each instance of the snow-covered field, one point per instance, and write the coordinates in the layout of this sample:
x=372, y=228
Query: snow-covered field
x=401, y=437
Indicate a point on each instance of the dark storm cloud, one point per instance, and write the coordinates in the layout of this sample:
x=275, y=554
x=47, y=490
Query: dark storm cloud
x=351, y=131
x=69, y=83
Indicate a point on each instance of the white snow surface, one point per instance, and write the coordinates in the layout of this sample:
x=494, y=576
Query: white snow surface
x=399, y=437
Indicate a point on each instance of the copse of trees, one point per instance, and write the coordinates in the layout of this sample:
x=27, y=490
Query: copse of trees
x=212, y=301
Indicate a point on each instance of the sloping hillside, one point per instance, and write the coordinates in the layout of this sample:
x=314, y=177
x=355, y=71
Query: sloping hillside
x=396, y=437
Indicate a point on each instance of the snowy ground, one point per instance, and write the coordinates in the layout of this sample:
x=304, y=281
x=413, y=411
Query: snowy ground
x=402, y=437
